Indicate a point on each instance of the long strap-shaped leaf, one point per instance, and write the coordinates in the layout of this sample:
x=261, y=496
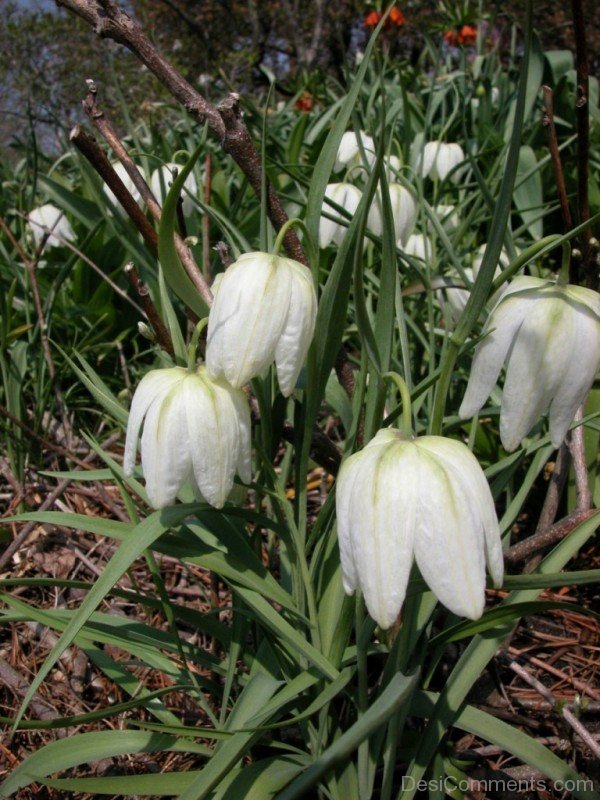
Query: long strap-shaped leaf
x=142, y=537
x=396, y=692
x=174, y=273
x=67, y=753
x=514, y=741
x=474, y=659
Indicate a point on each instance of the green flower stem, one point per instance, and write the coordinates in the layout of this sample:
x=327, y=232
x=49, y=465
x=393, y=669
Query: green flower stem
x=363, y=692
x=193, y=345
x=284, y=229
x=406, y=424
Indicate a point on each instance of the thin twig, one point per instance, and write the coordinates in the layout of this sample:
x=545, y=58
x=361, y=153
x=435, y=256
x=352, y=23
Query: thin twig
x=162, y=334
x=96, y=156
x=225, y=121
x=582, y=113
x=559, y=177
x=65, y=243
x=522, y=550
x=31, y=267
x=206, y=217
x=563, y=710
x=22, y=536
x=581, y=686
x=576, y=445
x=106, y=129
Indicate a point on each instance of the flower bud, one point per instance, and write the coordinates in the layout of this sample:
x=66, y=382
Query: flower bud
x=264, y=310
x=349, y=152
x=348, y=197
x=404, y=213
x=52, y=218
x=439, y=159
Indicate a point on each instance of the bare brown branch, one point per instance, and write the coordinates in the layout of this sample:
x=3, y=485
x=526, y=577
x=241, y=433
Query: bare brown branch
x=92, y=151
x=105, y=127
x=158, y=326
x=225, y=121
x=539, y=541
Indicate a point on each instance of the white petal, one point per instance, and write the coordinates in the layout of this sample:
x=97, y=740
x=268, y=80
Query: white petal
x=454, y=156
x=404, y=210
x=381, y=517
x=348, y=197
x=418, y=245
x=466, y=472
x=242, y=411
x=579, y=372
x=429, y=159
x=345, y=493
x=247, y=318
x=152, y=385
x=297, y=334
x=500, y=331
x=536, y=365
x=129, y=185
x=448, y=543
x=52, y=218
x=213, y=436
x=165, y=447
x=347, y=150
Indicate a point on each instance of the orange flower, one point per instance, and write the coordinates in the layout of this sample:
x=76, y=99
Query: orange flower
x=450, y=37
x=372, y=19
x=396, y=17
x=467, y=35
x=304, y=102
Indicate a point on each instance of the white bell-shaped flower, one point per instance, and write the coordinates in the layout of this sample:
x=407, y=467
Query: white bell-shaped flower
x=196, y=433
x=455, y=296
x=549, y=335
x=264, y=310
x=49, y=217
x=404, y=212
x=419, y=246
x=349, y=154
x=439, y=159
x=348, y=197
x=425, y=497
x=162, y=180
x=392, y=166
x=129, y=185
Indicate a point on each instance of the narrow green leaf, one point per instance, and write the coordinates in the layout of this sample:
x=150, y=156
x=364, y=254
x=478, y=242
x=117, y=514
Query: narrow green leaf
x=143, y=536
x=174, y=273
x=396, y=692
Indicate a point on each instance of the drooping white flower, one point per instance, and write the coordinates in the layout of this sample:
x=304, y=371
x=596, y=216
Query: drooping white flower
x=162, y=180
x=404, y=212
x=439, y=159
x=348, y=197
x=457, y=297
x=549, y=335
x=349, y=153
x=419, y=246
x=129, y=185
x=49, y=217
x=392, y=166
x=264, y=310
x=196, y=432
x=425, y=497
